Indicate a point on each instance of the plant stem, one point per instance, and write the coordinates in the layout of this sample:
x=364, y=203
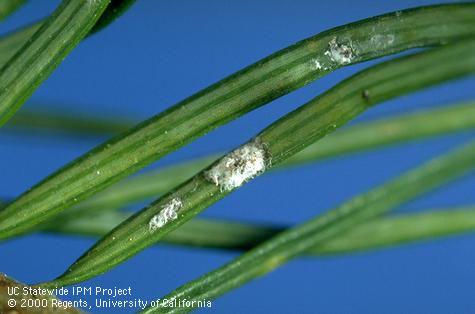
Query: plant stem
x=280, y=140
x=234, y=96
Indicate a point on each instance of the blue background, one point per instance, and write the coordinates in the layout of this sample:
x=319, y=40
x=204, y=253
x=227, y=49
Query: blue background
x=160, y=52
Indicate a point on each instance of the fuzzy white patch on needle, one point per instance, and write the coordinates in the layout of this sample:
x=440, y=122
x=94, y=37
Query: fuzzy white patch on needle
x=317, y=64
x=239, y=166
x=168, y=212
x=338, y=52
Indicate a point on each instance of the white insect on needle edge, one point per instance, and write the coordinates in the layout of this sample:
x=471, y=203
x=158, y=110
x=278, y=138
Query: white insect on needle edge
x=168, y=213
x=339, y=52
x=239, y=166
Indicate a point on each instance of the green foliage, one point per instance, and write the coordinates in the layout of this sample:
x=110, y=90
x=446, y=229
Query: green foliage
x=363, y=136
x=43, y=52
x=30, y=54
x=286, y=245
x=12, y=43
x=256, y=85
x=211, y=233
x=280, y=140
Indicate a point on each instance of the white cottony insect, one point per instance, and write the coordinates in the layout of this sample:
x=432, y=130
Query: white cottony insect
x=157, y=221
x=317, y=64
x=168, y=212
x=238, y=166
x=339, y=52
